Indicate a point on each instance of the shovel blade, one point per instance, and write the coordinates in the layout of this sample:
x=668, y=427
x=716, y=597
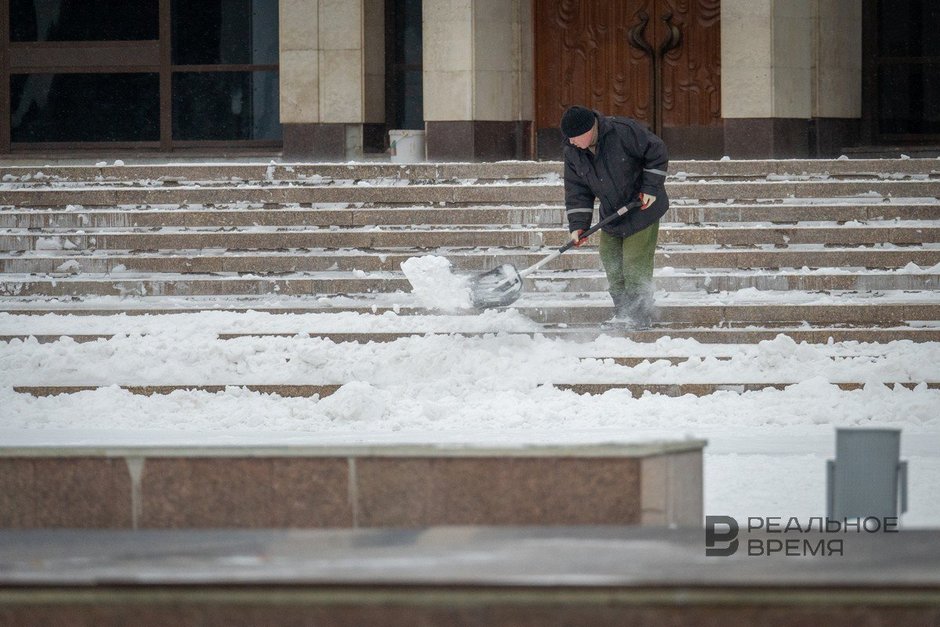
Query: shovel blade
x=500, y=287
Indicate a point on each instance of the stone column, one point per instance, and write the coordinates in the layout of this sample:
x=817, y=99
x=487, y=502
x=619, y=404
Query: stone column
x=779, y=90
x=323, y=60
x=478, y=79
x=838, y=87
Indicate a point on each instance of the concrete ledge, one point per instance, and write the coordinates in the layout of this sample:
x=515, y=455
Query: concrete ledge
x=459, y=576
x=354, y=486
x=397, y=606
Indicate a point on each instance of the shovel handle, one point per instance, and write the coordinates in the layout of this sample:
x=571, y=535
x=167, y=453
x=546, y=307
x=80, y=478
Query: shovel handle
x=593, y=229
x=620, y=212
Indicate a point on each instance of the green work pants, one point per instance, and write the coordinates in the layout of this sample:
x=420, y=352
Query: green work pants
x=628, y=261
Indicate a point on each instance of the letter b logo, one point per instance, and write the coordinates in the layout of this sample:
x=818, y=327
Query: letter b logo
x=712, y=536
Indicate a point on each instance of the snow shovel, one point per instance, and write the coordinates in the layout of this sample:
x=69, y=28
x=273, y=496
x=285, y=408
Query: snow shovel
x=502, y=286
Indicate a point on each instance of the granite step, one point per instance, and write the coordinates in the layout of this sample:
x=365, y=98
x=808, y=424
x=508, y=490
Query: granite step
x=171, y=172
x=673, y=280
x=632, y=355
x=275, y=238
x=239, y=215
x=325, y=390
x=821, y=334
x=888, y=308
x=471, y=260
x=109, y=196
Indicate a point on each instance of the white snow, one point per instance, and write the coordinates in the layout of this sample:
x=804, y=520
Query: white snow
x=434, y=285
x=451, y=363
x=766, y=452
x=49, y=243
x=71, y=266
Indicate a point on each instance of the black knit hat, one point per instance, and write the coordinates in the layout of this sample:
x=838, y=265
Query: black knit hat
x=577, y=121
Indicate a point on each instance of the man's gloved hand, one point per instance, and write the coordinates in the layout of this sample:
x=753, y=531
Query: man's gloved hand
x=576, y=237
x=647, y=200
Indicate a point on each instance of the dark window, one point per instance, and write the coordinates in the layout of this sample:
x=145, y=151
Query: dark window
x=84, y=20
x=84, y=107
x=236, y=32
x=906, y=63
x=403, y=64
x=225, y=105
x=221, y=69
x=909, y=29
x=909, y=99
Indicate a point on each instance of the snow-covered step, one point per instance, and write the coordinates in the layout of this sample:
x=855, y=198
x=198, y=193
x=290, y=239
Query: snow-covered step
x=315, y=284
x=274, y=238
x=814, y=256
x=325, y=390
x=175, y=172
x=442, y=193
x=177, y=357
x=172, y=171
x=236, y=215
x=239, y=215
x=288, y=333
x=745, y=307
x=820, y=334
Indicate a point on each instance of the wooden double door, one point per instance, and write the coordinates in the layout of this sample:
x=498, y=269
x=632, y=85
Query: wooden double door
x=658, y=61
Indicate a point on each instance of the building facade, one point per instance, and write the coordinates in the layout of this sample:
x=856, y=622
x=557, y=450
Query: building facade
x=485, y=79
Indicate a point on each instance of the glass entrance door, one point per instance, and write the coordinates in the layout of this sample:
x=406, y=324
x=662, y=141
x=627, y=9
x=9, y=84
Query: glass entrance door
x=160, y=74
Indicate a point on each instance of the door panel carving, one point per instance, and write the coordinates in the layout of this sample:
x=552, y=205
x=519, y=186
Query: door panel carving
x=583, y=56
x=658, y=61
x=691, y=70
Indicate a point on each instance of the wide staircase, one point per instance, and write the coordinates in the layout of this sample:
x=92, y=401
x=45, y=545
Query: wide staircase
x=817, y=250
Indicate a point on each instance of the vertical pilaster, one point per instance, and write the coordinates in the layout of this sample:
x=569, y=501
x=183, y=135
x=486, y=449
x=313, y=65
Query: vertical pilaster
x=478, y=79
x=323, y=91
x=791, y=76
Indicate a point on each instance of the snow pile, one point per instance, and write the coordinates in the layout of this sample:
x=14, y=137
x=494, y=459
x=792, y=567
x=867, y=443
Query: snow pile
x=795, y=419
x=434, y=285
x=214, y=322
x=450, y=365
x=495, y=387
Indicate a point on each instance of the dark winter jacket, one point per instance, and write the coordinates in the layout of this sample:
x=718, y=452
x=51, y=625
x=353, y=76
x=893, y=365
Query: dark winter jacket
x=630, y=159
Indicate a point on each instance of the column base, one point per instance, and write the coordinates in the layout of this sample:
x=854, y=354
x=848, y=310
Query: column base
x=789, y=138
x=478, y=140
x=321, y=142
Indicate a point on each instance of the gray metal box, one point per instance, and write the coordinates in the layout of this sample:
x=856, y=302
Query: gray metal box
x=867, y=477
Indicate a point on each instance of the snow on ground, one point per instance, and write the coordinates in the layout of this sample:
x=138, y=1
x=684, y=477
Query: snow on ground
x=450, y=362
x=766, y=453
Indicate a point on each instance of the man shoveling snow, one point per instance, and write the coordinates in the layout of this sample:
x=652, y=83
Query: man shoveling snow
x=616, y=160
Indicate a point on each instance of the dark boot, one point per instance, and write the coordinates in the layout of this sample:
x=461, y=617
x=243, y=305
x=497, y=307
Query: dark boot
x=621, y=317
x=641, y=309
x=633, y=310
